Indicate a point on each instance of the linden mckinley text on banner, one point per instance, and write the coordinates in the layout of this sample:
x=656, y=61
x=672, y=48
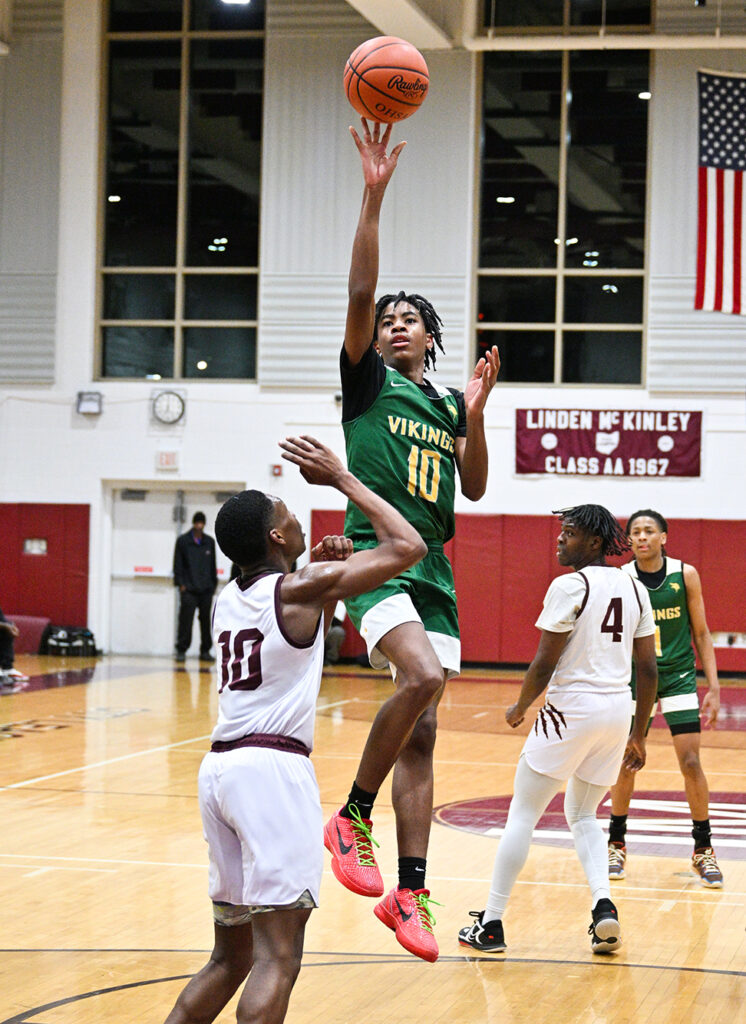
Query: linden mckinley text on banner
x=607, y=442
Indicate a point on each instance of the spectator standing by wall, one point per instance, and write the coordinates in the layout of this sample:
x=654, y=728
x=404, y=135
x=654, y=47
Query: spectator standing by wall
x=196, y=576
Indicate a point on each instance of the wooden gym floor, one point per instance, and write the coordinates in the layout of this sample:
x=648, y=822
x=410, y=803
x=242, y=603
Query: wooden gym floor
x=103, y=871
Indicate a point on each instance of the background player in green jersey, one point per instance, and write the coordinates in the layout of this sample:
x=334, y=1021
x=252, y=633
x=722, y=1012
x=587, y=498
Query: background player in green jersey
x=678, y=607
x=406, y=438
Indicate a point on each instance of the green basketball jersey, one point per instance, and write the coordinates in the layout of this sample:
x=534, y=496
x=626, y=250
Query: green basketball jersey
x=403, y=448
x=673, y=638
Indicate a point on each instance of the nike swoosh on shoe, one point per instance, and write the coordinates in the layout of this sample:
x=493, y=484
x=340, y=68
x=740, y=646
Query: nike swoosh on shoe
x=404, y=915
x=342, y=845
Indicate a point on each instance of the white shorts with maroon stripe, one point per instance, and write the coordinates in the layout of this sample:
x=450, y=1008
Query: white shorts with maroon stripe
x=262, y=820
x=580, y=733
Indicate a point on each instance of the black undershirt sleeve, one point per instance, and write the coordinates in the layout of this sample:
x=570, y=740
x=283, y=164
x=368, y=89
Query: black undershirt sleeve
x=361, y=383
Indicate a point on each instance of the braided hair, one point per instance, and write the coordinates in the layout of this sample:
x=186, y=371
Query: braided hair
x=601, y=523
x=430, y=319
x=242, y=525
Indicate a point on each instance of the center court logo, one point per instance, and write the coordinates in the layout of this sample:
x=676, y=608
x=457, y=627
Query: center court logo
x=659, y=822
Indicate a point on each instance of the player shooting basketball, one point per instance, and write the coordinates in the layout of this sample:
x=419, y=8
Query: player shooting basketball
x=406, y=438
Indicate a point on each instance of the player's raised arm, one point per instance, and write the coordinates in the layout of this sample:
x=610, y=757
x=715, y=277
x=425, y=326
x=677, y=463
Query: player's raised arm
x=399, y=544
x=471, y=451
x=378, y=166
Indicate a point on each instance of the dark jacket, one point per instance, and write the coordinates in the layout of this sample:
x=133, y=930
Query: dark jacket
x=194, y=564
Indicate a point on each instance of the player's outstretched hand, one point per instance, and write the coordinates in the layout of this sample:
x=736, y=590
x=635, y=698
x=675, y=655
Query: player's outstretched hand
x=378, y=165
x=317, y=463
x=482, y=381
x=332, y=549
x=634, y=755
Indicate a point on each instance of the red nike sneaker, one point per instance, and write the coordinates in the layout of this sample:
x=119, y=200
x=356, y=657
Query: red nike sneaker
x=407, y=912
x=350, y=842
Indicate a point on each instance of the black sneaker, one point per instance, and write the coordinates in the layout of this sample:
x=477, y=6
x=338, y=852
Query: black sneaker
x=206, y=656
x=180, y=656
x=487, y=936
x=604, y=930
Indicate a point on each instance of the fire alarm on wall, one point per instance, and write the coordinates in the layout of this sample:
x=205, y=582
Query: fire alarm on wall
x=276, y=469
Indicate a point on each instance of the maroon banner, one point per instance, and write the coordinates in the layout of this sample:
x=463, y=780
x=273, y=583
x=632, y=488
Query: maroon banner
x=607, y=442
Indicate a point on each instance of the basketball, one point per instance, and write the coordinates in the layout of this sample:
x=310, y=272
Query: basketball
x=386, y=79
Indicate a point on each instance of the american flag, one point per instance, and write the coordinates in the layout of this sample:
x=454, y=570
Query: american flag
x=721, y=245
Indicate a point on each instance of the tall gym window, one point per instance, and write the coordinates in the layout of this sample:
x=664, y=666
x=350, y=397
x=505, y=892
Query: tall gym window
x=180, y=192
x=562, y=218
x=572, y=15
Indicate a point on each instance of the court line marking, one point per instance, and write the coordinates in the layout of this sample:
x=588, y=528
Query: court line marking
x=41, y=869
x=668, y=894
x=318, y=755
x=356, y=959
x=104, y=764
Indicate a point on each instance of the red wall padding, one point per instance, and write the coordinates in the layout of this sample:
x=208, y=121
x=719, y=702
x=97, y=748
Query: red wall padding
x=503, y=565
x=54, y=585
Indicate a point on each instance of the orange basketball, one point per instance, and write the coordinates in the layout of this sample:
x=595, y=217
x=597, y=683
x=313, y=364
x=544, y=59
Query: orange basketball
x=386, y=79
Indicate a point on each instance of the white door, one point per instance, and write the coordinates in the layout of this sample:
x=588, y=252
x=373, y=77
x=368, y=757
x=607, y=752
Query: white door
x=145, y=524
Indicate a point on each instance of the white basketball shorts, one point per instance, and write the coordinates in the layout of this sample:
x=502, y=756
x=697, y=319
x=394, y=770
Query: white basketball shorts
x=582, y=734
x=393, y=611
x=262, y=820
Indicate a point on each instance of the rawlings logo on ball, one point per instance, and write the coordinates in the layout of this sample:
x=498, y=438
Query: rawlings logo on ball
x=417, y=88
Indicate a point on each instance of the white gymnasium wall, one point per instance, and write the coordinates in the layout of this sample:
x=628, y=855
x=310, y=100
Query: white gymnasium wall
x=311, y=185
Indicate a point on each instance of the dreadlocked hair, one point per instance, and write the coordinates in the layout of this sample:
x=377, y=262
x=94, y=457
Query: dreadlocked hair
x=599, y=521
x=242, y=525
x=430, y=319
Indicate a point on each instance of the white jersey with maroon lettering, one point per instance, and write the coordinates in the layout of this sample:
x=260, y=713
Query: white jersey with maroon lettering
x=267, y=683
x=603, y=615
x=583, y=726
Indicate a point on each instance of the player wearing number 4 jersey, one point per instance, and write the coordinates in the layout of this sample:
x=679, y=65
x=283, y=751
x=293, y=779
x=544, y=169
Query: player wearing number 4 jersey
x=406, y=438
x=676, y=596
x=258, y=796
x=593, y=622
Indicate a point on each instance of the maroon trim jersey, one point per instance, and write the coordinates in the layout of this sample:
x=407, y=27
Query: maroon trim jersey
x=267, y=683
x=603, y=610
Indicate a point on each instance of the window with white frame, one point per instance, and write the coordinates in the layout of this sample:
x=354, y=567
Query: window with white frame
x=562, y=217
x=180, y=190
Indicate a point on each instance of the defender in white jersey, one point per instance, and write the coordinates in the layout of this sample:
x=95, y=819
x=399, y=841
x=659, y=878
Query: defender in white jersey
x=593, y=623
x=258, y=796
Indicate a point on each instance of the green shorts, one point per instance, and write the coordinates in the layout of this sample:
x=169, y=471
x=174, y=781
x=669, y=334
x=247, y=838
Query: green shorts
x=677, y=693
x=425, y=593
